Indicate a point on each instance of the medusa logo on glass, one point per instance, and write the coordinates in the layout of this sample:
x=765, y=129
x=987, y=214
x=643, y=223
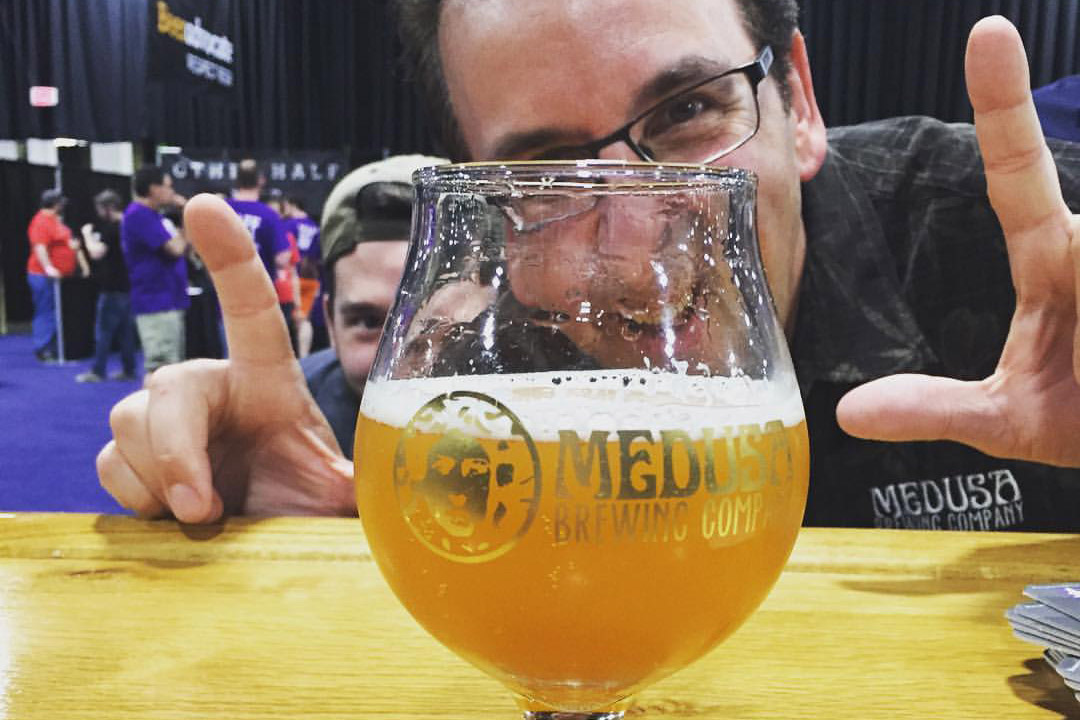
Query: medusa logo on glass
x=467, y=476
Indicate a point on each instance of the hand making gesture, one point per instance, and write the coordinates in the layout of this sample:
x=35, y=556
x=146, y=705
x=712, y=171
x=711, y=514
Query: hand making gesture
x=240, y=435
x=1030, y=407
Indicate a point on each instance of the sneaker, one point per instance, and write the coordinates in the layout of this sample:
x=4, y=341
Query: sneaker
x=122, y=376
x=88, y=377
x=45, y=356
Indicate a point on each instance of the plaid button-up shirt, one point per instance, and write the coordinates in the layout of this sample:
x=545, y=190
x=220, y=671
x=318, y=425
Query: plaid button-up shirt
x=907, y=271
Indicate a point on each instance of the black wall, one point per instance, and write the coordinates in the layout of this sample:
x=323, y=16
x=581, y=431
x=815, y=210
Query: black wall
x=875, y=59
x=310, y=74
x=324, y=74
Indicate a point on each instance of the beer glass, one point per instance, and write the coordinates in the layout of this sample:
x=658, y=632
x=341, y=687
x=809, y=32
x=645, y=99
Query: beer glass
x=581, y=456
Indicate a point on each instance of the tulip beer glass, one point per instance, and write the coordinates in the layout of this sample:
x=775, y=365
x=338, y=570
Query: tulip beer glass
x=581, y=453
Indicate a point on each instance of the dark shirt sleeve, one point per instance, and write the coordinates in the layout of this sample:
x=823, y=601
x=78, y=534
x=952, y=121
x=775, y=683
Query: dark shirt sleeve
x=338, y=403
x=939, y=257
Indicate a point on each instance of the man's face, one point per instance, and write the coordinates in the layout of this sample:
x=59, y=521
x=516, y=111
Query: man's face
x=457, y=484
x=527, y=77
x=162, y=195
x=365, y=282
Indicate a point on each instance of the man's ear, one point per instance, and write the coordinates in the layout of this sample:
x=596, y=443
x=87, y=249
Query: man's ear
x=810, y=141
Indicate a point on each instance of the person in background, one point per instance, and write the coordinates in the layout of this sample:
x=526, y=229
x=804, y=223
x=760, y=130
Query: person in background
x=113, y=320
x=305, y=231
x=263, y=223
x=154, y=251
x=287, y=279
x=52, y=257
x=1058, y=105
x=364, y=237
x=272, y=198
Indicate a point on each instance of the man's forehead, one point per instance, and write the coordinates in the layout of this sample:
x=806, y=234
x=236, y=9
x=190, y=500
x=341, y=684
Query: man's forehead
x=516, y=68
x=369, y=261
x=378, y=252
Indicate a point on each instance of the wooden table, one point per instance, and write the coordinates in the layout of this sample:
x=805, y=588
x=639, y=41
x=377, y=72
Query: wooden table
x=110, y=617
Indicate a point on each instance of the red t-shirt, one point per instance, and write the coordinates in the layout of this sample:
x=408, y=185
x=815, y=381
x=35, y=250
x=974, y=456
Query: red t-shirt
x=47, y=230
x=283, y=278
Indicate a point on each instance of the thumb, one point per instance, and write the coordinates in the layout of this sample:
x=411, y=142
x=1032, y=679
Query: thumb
x=902, y=408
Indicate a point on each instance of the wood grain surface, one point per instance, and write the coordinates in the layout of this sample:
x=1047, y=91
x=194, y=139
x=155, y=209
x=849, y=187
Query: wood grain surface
x=113, y=618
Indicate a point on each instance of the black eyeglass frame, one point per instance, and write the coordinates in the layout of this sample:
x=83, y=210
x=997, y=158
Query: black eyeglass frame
x=756, y=70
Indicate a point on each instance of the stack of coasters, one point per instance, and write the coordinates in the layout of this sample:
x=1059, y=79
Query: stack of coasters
x=1052, y=621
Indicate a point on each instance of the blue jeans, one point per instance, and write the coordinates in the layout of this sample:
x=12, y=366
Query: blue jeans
x=43, y=292
x=114, y=323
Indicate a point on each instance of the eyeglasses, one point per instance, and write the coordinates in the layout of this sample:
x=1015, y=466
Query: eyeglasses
x=697, y=125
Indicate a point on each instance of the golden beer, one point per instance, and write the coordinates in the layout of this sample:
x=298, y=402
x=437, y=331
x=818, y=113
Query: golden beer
x=581, y=535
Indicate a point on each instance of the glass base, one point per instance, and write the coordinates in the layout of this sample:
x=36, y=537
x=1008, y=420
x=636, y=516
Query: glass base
x=549, y=715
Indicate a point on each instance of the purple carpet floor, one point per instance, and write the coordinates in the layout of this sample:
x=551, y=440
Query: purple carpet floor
x=51, y=429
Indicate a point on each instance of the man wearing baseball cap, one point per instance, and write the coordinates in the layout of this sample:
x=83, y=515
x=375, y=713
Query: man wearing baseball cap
x=256, y=433
x=364, y=237
x=52, y=257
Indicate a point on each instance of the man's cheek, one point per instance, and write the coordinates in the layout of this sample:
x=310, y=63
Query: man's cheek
x=359, y=357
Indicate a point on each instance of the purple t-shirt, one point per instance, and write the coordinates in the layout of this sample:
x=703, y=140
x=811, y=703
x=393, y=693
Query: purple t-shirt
x=158, y=280
x=306, y=233
x=265, y=227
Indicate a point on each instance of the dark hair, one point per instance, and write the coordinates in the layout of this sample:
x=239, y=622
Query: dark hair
x=144, y=177
x=108, y=199
x=52, y=198
x=376, y=202
x=270, y=195
x=296, y=201
x=768, y=22
x=247, y=175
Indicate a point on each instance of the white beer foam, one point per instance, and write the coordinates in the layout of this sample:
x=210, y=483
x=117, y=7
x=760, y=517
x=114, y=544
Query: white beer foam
x=548, y=402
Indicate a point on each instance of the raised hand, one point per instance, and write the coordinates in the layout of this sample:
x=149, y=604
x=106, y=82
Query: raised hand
x=208, y=437
x=1030, y=407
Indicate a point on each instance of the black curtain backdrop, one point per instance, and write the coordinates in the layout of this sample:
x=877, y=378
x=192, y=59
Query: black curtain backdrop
x=93, y=51
x=314, y=74
x=310, y=74
x=875, y=59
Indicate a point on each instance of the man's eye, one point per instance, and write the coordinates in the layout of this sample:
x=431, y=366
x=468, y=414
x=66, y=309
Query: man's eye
x=683, y=110
x=677, y=115
x=709, y=108
x=365, y=320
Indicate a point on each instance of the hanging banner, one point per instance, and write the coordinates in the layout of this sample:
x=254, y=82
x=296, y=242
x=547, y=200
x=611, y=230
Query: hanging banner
x=308, y=176
x=191, y=43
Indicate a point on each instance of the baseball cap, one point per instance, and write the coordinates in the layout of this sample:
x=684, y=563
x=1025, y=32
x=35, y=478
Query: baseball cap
x=52, y=197
x=371, y=203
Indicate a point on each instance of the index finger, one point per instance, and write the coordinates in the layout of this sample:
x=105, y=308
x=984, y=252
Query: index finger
x=254, y=325
x=1020, y=175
